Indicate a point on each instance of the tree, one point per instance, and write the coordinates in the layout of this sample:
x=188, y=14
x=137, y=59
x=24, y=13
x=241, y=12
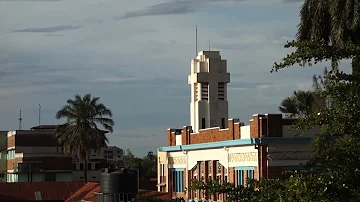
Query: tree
x=300, y=104
x=80, y=134
x=147, y=165
x=336, y=22
x=337, y=147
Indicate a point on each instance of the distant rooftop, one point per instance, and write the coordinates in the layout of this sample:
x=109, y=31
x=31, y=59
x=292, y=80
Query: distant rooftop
x=52, y=127
x=44, y=127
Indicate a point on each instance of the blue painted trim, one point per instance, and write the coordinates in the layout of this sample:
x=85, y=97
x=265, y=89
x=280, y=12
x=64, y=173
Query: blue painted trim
x=209, y=145
x=177, y=169
x=244, y=168
x=239, y=142
x=192, y=200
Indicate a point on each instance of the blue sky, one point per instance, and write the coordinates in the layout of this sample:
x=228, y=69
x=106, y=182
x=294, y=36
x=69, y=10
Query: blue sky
x=135, y=55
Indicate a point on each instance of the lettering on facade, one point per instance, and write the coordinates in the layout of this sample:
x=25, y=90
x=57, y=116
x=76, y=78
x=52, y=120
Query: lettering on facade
x=177, y=160
x=243, y=157
x=289, y=155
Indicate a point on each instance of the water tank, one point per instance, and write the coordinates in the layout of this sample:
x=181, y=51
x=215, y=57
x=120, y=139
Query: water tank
x=119, y=184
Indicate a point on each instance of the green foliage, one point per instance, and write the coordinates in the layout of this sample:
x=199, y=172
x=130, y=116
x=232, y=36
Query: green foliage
x=80, y=134
x=313, y=52
x=147, y=165
x=300, y=104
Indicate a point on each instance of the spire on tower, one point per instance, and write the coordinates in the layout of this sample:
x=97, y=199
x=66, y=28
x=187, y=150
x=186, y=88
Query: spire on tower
x=20, y=121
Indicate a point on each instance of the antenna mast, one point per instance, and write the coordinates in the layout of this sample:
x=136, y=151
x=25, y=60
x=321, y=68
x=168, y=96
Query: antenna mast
x=209, y=45
x=196, y=48
x=20, y=121
x=39, y=113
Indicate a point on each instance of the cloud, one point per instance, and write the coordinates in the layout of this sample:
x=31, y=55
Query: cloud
x=171, y=8
x=30, y=0
x=292, y=1
x=48, y=29
x=117, y=80
x=54, y=35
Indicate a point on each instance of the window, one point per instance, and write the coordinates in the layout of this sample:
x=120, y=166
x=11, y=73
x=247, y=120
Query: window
x=50, y=177
x=250, y=174
x=240, y=177
x=222, y=123
x=203, y=123
x=89, y=166
x=163, y=189
x=74, y=166
x=97, y=166
x=10, y=154
x=210, y=167
x=178, y=180
x=221, y=91
x=204, y=91
x=162, y=170
x=81, y=166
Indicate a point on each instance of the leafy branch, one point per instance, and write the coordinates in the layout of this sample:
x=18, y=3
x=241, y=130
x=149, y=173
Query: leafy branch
x=312, y=52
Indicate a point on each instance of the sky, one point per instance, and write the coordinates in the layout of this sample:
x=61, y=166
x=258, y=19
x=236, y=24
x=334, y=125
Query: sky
x=136, y=54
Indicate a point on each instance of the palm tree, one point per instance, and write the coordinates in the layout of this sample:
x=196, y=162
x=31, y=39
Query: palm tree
x=300, y=104
x=334, y=21
x=80, y=134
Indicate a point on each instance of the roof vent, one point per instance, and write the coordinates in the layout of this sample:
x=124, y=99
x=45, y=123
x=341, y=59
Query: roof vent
x=38, y=196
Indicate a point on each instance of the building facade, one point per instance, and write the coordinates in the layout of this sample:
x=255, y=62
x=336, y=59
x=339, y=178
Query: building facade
x=94, y=165
x=113, y=154
x=32, y=156
x=234, y=153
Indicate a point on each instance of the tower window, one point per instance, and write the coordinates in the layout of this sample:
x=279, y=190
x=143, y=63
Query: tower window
x=203, y=123
x=205, y=91
x=221, y=91
x=222, y=123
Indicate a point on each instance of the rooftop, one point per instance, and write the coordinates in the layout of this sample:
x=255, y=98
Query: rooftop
x=25, y=191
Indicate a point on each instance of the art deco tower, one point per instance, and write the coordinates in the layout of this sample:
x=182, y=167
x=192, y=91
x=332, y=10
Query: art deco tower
x=208, y=80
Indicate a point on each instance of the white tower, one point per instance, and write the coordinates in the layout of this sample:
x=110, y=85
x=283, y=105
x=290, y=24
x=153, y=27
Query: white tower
x=208, y=80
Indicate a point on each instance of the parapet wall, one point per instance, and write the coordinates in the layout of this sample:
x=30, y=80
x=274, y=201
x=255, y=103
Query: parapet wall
x=268, y=125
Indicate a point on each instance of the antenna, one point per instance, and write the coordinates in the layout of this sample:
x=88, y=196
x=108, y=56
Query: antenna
x=209, y=45
x=196, y=49
x=20, y=121
x=39, y=113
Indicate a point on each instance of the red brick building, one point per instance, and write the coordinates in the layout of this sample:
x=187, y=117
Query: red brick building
x=226, y=150
x=263, y=149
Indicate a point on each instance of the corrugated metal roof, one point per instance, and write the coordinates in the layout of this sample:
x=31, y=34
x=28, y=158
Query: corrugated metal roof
x=86, y=193
x=25, y=191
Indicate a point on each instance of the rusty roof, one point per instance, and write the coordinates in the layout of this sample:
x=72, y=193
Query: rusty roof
x=44, y=127
x=86, y=193
x=25, y=191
